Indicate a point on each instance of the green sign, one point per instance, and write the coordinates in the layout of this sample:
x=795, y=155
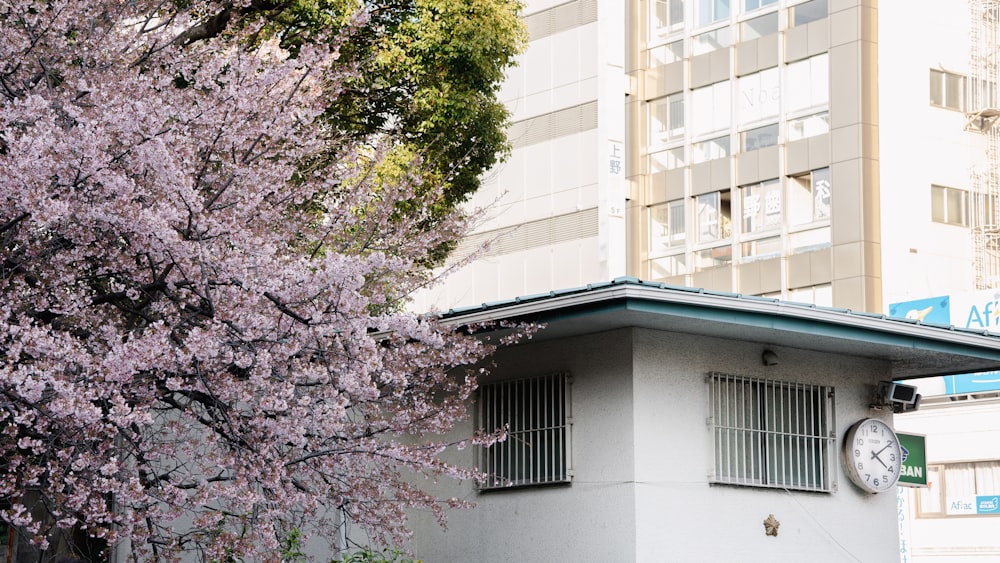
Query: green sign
x=913, y=472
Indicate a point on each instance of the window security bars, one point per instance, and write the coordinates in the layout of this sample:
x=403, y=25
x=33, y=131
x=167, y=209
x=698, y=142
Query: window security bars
x=772, y=433
x=536, y=450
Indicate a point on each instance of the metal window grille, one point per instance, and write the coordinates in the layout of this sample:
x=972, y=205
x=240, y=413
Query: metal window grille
x=772, y=433
x=536, y=412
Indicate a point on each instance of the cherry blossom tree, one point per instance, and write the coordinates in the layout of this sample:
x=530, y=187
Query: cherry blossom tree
x=203, y=343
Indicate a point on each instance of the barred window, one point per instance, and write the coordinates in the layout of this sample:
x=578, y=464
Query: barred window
x=772, y=433
x=537, y=414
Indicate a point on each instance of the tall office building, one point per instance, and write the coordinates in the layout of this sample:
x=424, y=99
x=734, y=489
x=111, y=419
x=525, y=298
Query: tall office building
x=840, y=152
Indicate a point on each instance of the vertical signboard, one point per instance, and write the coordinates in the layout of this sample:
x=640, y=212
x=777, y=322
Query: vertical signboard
x=913, y=471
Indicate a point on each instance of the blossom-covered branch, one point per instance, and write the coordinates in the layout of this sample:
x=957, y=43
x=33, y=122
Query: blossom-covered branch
x=200, y=324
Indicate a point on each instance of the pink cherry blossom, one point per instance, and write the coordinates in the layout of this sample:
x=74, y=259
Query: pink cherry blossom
x=203, y=340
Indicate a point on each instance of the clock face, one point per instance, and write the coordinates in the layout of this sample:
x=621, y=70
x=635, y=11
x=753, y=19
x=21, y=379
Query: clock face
x=872, y=455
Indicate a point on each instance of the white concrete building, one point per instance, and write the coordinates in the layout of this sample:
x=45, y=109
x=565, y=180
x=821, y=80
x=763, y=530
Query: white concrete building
x=837, y=152
x=647, y=424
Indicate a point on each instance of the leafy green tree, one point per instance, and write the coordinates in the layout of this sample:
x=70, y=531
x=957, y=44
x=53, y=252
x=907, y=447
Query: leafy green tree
x=428, y=72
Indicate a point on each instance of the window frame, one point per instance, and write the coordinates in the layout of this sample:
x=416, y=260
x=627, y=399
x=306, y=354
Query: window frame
x=940, y=79
x=672, y=239
x=672, y=131
x=942, y=490
x=512, y=463
x=944, y=216
x=793, y=12
x=672, y=26
x=775, y=436
x=715, y=16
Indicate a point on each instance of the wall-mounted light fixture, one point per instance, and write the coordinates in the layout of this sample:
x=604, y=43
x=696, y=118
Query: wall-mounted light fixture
x=769, y=358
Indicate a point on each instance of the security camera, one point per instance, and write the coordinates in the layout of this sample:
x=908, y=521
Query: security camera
x=902, y=398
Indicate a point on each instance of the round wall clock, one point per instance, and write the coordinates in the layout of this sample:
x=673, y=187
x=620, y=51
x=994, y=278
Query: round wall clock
x=872, y=455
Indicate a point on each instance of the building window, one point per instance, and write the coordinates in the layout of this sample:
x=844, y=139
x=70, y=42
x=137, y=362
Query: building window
x=759, y=27
x=760, y=95
x=710, y=11
x=960, y=489
x=713, y=216
x=809, y=198
x=666, y=119
x=808, y=126
x=536, y=413
x=821, y=295
x=668, y=266
x=712, y=40
x=666, y=160
x=754, y=4
x=710, y=109
x=772, y=433
x=949, y=206
x=806, y=12
x=759, y=137
x=666, y=226
x=808, y=83
x=665, y=54
x=710, y=149
x=762, y=206
x=666, y=16
x=947, y=90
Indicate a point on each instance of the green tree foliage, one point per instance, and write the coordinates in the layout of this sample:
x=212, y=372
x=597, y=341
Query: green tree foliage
x=428, y=72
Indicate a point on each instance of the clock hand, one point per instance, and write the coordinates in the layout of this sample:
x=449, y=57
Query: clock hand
x=883, y=449
x=877, y=458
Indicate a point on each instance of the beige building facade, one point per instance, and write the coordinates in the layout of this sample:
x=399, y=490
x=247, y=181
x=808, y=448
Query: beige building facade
x=827, y=151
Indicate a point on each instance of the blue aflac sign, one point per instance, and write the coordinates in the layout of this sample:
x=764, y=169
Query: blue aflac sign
x=978, y=310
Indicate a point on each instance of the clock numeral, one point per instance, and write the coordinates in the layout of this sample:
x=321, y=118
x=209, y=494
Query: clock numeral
x=892, y=469
x=875, y=482
x=868, y=476
x=861, y=465
x=860, y=441
x=874, y=427
x=892, y=457
x=857, y=453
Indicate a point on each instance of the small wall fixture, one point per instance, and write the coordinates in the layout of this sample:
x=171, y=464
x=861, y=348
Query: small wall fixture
x=769, y=358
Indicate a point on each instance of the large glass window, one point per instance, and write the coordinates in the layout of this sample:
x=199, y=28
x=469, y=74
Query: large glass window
x=710, y=11
x=666, y=119
x=809, y=197
x=710, y=109
x=666, y=160
x=762, y=206
x=667, y=224
x=710, y=149
x=772, y=433
x=713, y=214
x=808, y=126
x=821, y=295
x=668, y=266
x=949, y=206
x=760, y=96
x=947, y=90
x=754, y=4
x=960, y=489
x=806, y=12
x=759, y=27
x=712, y=40
x=666, y=16
x=665, y=54
x=759, y=137
x=807, y=83
x=536, y=450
